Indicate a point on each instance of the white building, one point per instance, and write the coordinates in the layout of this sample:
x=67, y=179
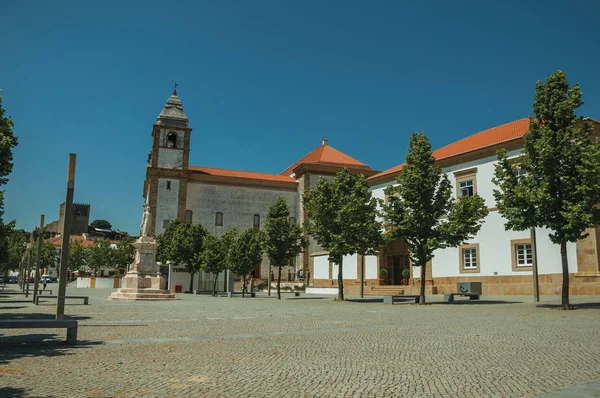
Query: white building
x=220, y=199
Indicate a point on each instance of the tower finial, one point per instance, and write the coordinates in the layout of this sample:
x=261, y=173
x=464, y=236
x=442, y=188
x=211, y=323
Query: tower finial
x=324, y=142
x=175, y=89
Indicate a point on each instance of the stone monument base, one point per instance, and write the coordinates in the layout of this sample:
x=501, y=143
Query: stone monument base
x=142, y=287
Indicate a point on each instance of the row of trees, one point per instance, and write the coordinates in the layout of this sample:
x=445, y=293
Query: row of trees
x=554, y=186
x=8, y=141
x=101, y=255
x=196, y=248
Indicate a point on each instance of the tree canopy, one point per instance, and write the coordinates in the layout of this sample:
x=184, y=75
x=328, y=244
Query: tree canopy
x=283, y=240
x=77, y=255
x=100, y=255
x=343, y=218
x=15, y=246
x=421, y=209
x=215, y=250
x=181, y=243
x=124, y=253
x=245, y=253
x=556, y=184
x=101, y=224
x=48, y=255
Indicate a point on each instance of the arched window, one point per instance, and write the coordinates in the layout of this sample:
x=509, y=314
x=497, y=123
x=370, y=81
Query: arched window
x=172, y=140
x=188, y=216
x=256, y=222
x=219, y=219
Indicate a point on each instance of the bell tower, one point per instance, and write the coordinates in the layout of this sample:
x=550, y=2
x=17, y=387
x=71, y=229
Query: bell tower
x=165, y=188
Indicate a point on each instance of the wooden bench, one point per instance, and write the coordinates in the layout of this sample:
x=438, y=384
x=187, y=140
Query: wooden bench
x=390, y=299
x=69, y=324
x=449, y=297
x=84, y=298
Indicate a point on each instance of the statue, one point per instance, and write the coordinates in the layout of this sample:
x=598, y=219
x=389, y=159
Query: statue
x=145, y=226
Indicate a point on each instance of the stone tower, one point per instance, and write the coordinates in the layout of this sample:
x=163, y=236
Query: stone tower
x=165, y=188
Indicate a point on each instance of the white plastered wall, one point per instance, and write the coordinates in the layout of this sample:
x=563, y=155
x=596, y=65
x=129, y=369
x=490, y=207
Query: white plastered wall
x=167, y=202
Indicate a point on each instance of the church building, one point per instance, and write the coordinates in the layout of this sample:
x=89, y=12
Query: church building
x=220, y=199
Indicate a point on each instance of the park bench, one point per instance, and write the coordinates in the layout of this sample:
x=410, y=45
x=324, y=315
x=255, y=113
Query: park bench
x=472, y=290
x=84, y=298
x=390, y=299
x=449, y=297
x=45, y=290
x=250, y=294
x=69, y=324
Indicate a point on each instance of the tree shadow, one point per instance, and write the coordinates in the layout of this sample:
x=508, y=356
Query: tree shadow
x=39, y=345
x=12, y=308
x=305, y=298
x=579, y=306
x=16, y=301
x=475, y=302
x=11, y=392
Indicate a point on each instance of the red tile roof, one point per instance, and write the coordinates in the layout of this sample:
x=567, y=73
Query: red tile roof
x=241, y=174
x=57, y=241
x=327, y=155
x=493, y=136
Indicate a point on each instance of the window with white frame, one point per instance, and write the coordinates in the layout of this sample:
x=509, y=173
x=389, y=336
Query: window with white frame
x=524, y=257
x=466, y=188
x=469, y=257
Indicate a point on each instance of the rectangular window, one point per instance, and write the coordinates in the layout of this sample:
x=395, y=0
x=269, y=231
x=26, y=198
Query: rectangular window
x=469, y=258
x=166, y=223
x=188, y=216
x=467, y=188
x=466, y=182
x=219, y=219
x=522, y=254
x=168, y=185
x=292, y=220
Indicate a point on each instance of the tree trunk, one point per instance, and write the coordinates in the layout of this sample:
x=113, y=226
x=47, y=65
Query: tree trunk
x=565, y=270
x=341, y=280
x=215, y=285
x=243, y=285
x=422, y=294
x=279, y=283
x=191, y=282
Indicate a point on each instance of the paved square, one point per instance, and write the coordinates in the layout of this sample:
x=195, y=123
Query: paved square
x=310, y=346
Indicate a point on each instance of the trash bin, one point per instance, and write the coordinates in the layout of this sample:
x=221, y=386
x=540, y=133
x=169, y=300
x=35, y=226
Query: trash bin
x=177, y=288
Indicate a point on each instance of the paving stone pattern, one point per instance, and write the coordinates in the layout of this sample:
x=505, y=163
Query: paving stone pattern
x=311, y=346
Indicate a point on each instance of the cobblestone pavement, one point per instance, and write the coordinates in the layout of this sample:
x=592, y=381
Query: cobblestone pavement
x=309, y=346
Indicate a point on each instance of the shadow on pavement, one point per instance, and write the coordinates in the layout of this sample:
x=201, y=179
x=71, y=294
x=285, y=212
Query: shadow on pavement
x=38, y=345
x=12, y=392
x=305, y=298
x=39, y=316
x=475, y=302
x=11, y=308
x=579, y=306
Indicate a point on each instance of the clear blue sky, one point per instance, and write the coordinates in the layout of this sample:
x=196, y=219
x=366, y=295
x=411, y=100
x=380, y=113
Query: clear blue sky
x=263, y=81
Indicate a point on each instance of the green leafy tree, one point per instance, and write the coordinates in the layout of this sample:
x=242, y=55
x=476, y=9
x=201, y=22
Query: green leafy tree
x=8, y=141
x=560, y=189
x=343, y=218
x=15, y=248
x=246, y=253
x=77, y=255
x=283, y=240
x=181, y=243
x=48, y=255
x=100, y=255
x=213, y=257
x=124, y=253
x=101, y=224
x=422, y=211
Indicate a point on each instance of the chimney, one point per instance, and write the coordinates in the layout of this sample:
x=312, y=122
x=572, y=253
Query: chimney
x=324, y=142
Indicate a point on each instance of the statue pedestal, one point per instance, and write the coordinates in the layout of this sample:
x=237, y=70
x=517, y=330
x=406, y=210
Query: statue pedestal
x=143, y=281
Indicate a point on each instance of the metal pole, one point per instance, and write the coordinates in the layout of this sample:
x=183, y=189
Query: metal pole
x=362, y=276
x=66, y=235
x=536, y=286
x=37, y=261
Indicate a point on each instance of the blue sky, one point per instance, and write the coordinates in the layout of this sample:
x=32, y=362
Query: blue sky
x=263, y=81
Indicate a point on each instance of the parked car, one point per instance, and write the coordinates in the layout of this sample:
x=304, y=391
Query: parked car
x=13, y=279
